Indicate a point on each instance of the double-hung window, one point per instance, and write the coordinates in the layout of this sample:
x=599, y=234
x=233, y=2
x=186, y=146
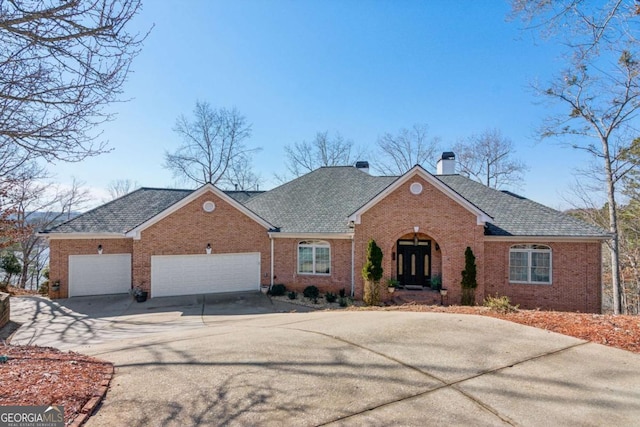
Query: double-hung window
x=314, y=257
x=530, y=264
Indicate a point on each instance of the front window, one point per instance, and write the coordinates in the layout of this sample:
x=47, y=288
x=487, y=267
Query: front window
x=314, y=257
x=530, y=264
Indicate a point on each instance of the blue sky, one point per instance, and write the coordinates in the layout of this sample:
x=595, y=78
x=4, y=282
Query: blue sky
x=360, y=68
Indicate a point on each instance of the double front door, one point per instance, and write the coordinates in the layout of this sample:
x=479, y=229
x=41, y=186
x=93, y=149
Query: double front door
x=414, y=262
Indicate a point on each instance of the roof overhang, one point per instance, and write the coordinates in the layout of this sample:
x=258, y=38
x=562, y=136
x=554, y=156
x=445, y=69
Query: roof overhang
x=83, y=236
x=323, y=236
x=135, y=233
x=417, y=170
x=536, y=239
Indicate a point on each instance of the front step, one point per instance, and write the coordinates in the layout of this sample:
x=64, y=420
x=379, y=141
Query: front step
x=421, y=297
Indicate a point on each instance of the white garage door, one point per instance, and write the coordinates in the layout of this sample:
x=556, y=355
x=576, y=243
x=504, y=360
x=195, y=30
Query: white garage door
x=99, y=274
x=204, y=274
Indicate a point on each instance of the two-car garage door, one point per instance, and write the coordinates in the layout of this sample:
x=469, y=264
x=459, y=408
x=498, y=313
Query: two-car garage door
x=204, y=274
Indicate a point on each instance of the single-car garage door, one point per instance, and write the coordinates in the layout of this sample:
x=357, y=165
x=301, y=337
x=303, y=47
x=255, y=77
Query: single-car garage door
x=99, y=274
x=204, y=274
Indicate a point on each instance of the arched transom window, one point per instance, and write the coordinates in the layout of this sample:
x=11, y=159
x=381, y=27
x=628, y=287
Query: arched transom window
x=530, y=264
x=314, y=257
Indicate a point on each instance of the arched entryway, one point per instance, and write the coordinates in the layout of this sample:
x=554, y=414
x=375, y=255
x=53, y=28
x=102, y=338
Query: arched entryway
x=418, y=261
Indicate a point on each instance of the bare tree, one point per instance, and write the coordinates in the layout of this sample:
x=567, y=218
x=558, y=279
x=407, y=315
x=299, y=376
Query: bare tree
x=324, y=150
x=409, y=147
x=121, y=187
x=599, y=89
x=212, y=143
x=61, y=63
x=241, y=177
x=487, y=158
x=40, y=205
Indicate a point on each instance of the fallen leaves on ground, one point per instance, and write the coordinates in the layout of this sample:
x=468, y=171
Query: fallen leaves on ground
x=40, y=376
x=607, y=329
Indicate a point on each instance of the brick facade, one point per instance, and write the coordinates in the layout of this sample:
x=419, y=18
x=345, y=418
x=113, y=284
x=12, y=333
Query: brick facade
x=190, y=229
x=60, y=249
x=286, y=266
x=446, y=223
x=576, y=277
x=439, y=218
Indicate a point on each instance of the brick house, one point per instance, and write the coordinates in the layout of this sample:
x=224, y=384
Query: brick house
x=314, y=230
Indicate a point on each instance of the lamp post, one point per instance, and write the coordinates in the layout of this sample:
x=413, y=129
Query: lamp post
x=443, y=293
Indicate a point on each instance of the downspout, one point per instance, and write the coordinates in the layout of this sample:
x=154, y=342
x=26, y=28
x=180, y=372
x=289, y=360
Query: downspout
x=271, y=280
x=353, y=266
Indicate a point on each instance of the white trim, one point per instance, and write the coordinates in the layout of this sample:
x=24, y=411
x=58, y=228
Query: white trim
x=481, y=217
x=313, y=244
x=135, y=232
x=538, y=239
x=530, y=251
x=311, y=236
x=83, y=236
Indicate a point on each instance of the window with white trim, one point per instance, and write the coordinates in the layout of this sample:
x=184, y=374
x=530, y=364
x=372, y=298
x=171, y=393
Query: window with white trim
x=314, y=257
x=530, y=264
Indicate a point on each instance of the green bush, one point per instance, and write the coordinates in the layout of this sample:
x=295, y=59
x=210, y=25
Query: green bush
x=372, y=273
x=292, y=295
x=44, y=288
x=500, y=304
x=311, y=292
x=344, y=302
x=330, y=297
x=278, y=290
x=469, y=282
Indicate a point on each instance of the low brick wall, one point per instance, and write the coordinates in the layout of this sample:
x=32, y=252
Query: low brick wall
x=5, y=310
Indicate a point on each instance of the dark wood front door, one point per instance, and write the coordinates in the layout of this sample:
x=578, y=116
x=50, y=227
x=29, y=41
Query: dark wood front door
x=414, y=262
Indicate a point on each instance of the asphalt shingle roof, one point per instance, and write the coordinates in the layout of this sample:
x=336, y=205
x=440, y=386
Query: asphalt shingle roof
x=322, y=201
x=515, y=215
x=124, y=213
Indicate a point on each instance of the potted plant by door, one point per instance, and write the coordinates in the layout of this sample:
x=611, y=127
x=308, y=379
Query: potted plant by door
x=392, y=284
x=436, y=283
x=55, y=286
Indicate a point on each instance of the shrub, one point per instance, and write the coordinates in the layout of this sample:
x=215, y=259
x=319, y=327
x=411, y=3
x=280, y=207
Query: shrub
x=330, y=297
x=44, y=288
x=344, y=302
x=372, y=273
x=278, y=290
x=342, y=293
x=292, y=295
x=311, y=292
x=469, y=282
x=500, y=304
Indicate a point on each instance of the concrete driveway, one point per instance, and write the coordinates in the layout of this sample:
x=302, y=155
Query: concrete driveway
x=197, y=364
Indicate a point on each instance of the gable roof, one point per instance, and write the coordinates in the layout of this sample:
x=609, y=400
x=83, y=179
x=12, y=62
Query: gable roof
x=135, y=232
x=130, y=211
x=417, y=170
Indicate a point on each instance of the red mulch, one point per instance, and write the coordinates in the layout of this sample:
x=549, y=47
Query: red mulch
x=42, y=376
x=13, y=291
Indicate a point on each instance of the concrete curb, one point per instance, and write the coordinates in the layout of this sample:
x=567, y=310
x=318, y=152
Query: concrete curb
x=89, y=408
